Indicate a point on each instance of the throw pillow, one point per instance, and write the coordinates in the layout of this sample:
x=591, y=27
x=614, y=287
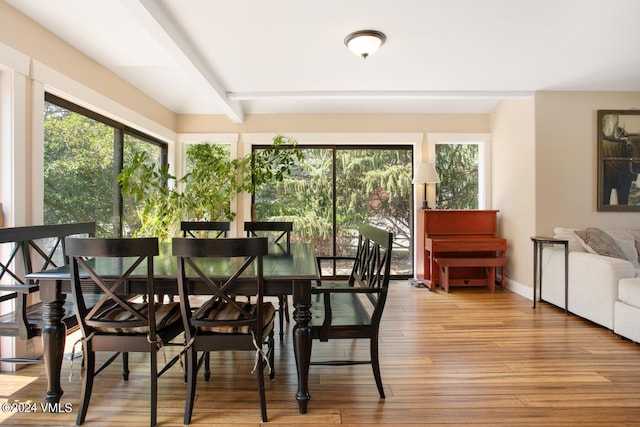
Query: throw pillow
x=597, y=241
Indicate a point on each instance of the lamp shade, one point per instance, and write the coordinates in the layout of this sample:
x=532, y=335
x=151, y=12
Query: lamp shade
x=426, y=173
x=364, y=43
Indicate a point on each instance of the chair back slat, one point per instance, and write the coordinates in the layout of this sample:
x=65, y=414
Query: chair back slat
x=214, y=229
x=372, y=265
x=89, y=256
x=276, y=231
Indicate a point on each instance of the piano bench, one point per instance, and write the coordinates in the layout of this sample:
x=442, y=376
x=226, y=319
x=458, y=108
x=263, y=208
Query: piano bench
x=489, y=263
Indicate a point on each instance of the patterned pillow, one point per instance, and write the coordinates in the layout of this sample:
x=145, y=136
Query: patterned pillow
x=597, y=241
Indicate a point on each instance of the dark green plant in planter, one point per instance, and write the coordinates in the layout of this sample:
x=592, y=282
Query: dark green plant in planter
x=205, y=193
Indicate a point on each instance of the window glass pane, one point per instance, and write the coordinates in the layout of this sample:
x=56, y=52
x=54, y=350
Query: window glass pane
x=305, y=198
x=134, y=145
x=458, y=169
x=374, y=187
x=78, y=169
x=83, y=154
x=208, y=164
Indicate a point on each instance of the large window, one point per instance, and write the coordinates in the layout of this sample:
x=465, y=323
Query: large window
x=336, y=189
x=83, y=154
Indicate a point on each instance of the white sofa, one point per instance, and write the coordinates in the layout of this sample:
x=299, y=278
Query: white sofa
x=602, y=289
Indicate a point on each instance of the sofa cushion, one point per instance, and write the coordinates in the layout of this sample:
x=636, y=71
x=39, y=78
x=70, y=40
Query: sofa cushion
x=629, y=291
x=598, y=242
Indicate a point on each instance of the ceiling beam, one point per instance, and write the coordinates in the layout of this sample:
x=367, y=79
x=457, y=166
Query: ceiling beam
x=194, y=59
x=416, y=94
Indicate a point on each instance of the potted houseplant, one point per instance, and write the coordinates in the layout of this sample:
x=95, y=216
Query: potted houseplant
x=204, y=194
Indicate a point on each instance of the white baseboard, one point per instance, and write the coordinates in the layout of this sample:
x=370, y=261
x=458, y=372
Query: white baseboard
x=520, y=289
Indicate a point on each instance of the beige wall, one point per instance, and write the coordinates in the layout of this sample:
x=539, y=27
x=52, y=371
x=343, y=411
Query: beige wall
x=290, y=123
x=566, y=155
x=29, y=38
x=513, y=183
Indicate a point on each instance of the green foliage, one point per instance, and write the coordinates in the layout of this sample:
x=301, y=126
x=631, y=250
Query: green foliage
x=373, y=186
x=78, y=169
x=457, y=166
x=205, y=193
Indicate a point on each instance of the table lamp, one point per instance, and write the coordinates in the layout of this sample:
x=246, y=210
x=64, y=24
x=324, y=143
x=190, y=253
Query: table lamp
x=426, y=174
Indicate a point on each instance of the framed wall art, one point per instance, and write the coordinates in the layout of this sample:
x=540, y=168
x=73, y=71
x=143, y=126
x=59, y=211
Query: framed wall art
x=619, y=160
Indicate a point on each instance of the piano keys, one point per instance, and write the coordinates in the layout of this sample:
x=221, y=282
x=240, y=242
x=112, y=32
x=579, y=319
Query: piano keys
x=470, y=236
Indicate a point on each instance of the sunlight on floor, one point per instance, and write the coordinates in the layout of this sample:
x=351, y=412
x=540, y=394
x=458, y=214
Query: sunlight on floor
x=12, y=389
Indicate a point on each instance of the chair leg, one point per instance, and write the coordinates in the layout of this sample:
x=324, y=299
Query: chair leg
x=87, y=383
x=261, y=390
x=271, y=355
x=207, y=366
x=285, y=299
x=154, y=387
x=281, y=316
x=125, y=366
x=375, y=365
x=192, y=364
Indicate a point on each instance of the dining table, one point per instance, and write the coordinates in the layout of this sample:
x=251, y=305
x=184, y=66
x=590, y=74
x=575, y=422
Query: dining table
x=291, y=272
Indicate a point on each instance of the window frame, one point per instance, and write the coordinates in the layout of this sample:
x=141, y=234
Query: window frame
x=335, y=148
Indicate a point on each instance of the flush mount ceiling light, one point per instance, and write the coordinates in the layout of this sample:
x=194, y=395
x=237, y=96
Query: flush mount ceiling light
x=365, y=42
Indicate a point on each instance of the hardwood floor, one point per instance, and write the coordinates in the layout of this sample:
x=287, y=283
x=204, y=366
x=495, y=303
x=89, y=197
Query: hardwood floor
x=464, y=358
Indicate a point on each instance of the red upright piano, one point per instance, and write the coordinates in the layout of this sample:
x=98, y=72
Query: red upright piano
x=464, y=238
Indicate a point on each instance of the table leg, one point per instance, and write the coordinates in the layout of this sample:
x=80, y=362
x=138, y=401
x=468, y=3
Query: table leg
x=535, y=272
x=566, y=277
x=302, y=340
x=53, y=338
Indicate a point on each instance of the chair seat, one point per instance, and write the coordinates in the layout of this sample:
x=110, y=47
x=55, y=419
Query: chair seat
x=166, y=315
x=346, y=308
x=216, y=310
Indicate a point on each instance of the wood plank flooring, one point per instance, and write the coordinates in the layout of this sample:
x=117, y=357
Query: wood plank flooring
x=468, y=357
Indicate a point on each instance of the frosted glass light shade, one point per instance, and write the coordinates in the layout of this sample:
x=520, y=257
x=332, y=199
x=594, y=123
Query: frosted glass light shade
x=364, y=43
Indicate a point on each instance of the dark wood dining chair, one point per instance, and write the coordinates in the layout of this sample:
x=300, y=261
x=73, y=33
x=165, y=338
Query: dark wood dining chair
x=278, y=232
x=215, y=229
x=205, y=229
x=118, y=321
x=223, y=323
x=30, y=249
x=353, y=310
x=279, y=235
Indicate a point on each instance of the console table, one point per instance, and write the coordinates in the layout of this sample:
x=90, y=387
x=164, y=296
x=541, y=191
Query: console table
x=538, y=244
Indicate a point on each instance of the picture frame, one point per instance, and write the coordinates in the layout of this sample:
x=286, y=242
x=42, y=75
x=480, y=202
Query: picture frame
x=619, y=160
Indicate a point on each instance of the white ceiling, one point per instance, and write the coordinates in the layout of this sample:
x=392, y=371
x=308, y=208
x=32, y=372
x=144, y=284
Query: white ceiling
x=238, y=57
